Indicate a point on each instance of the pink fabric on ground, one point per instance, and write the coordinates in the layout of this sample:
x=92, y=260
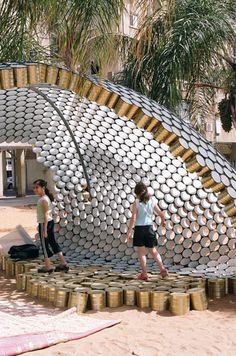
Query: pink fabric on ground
x=27, y=334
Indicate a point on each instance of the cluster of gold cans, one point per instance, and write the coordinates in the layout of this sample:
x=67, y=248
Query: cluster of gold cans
x=96, y=287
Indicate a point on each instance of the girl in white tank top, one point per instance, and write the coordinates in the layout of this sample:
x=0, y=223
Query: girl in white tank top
x=144, y=238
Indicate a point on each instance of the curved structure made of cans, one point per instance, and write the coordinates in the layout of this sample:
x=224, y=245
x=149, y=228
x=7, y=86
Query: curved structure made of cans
x=124, y=137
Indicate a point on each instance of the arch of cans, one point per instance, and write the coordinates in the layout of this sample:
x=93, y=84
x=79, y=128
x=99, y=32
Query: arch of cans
x=124, y=137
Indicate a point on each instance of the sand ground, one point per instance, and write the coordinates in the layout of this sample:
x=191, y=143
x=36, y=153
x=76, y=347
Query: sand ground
x=141, y=332
x=11, y=216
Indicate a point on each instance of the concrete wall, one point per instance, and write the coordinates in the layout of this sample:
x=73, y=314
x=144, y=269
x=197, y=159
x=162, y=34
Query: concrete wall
x=35, y=170
x=226, y=137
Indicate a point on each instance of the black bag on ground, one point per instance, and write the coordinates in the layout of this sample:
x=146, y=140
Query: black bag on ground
x=24, y=252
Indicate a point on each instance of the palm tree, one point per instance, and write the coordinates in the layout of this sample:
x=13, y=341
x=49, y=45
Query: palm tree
x=184, y=51
x=75, y=29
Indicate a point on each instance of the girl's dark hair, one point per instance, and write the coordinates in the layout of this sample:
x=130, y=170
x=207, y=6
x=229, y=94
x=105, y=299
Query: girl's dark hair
x=142, y=192
x=42, y=183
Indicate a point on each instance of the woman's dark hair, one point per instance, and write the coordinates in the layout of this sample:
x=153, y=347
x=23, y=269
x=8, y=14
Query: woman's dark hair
x=42, y=183
x=142, y=192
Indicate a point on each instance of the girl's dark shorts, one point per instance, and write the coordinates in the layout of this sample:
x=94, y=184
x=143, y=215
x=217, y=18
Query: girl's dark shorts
x=144, y=236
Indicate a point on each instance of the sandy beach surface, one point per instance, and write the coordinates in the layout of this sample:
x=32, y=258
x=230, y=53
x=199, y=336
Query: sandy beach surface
x=141, y=332
x=12, y=216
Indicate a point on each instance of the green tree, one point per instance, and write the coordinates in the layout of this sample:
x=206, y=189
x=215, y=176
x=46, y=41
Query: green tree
x=76, y=29
x=184, y=51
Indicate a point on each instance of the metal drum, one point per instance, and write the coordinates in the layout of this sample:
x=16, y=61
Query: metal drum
x=143, y=298
x=159, y=300
x=198, y=298
x=82, y=302
x=3, y=262
x=51, y=293
x=232, y=285
x=97, y=299
x=130, y=295
x=19, y=267
x=34, y=288
x=114, y=297
x=10, y=268
x=61, y=299
x=179, y=303
x=216, y=288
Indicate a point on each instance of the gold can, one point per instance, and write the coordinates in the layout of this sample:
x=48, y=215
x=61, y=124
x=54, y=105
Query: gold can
x=143, y=298
x=20, y=74
x=74, y=80
x=216, y=288
x=127, y=276
x=86, y=284
x=179, y=303
x=162, y=288
x=62, y=296
x=3, y=264
x=34, y=288
x=130, y=295
x=201, y=282
x=82, y=302
x=99, y=286
x=19, y=267
x=52, y=74
x=71, y=285
x=42, y=72
x=42, y=289
x=232, y=285
x=114, y=297
x=159, y=300
x=64, y=78
x=29, y=266
x=60, y=284
x=73, y=296
x=198, y=299
x=9, y=268
x=97, y=299
x=7, y=78
x=177, y=290
x=181, y=284
x=21, y=282
x=30, y=285
x=51, y=293
x=33, y=73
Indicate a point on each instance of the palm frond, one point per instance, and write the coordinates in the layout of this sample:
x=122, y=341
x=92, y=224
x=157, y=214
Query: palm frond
x=70, y=25
x=177, y=45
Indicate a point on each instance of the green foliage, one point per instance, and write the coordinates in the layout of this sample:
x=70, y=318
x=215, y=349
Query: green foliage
x=178, y=47
x=225, y=114
x=75, y=27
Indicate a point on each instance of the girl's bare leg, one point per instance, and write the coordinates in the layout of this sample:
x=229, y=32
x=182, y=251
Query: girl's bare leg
x=47, y=263
x=62, y=258
x=142, y=259
x=157, y=258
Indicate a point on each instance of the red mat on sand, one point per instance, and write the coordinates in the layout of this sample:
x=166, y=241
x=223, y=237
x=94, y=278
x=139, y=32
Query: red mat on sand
x=22, y=334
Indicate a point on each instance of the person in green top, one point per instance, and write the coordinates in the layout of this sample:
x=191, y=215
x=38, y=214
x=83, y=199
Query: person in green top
x=46, y=228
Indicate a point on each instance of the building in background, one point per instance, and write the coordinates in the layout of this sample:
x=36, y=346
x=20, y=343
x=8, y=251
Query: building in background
x=19, y=169
x=208, y=124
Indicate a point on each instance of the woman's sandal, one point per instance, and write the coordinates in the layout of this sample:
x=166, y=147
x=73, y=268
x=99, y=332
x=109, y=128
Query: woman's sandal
x=142, y=277
x=62, y=268
x=45, y=270
x=164, y=273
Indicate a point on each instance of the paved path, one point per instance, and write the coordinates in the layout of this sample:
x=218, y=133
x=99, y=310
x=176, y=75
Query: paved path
x=13, y=201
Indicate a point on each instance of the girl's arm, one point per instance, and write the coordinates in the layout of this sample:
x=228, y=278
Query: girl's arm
x=160, y=213
x=45, y=224
x=132, y=221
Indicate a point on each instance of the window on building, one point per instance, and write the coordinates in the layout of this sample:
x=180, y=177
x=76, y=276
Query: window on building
x=133, y=14
x=184, y=110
